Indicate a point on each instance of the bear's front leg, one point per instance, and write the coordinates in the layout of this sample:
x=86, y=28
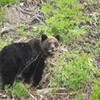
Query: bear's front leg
x=37, y=75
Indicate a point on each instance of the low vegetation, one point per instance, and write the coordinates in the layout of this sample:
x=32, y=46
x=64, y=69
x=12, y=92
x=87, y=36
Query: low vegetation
x=18, y=91
x=5, y=2
x=64, y=18
x=2, y=14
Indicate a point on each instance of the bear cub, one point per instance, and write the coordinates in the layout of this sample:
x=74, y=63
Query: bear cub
x=26, y=59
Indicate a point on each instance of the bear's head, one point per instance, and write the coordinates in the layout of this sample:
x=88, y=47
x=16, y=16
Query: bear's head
x=50, y=44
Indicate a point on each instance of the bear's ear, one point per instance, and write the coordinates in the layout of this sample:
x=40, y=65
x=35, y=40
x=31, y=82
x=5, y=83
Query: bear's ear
x=44, y=37
x=57, y=37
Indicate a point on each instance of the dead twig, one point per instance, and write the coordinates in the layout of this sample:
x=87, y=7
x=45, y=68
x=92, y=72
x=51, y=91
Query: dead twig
x=6, y=29
x=49, y=90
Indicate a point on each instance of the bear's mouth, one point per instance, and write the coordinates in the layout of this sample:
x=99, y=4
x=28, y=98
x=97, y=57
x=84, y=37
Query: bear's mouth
x=51, y=52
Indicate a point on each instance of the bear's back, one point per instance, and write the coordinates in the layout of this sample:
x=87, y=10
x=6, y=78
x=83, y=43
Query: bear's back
x=16, y=51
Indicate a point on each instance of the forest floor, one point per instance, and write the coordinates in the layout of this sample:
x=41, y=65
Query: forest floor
x=27, y=16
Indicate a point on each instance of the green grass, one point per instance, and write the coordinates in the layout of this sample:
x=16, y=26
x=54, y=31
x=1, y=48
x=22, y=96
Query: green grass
x=64, y=17
x=5, y=2
x=2, y=14
x=96, y=90
x=74, y=73
x=4, y=43
x=18, y=90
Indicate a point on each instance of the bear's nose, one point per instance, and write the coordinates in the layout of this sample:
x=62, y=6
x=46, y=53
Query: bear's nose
x=52, y=47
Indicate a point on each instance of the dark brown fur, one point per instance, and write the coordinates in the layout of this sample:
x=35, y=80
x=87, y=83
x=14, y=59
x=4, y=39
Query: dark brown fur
x=27, y=59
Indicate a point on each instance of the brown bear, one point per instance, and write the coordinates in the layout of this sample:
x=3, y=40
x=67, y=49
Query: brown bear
x=26, y=59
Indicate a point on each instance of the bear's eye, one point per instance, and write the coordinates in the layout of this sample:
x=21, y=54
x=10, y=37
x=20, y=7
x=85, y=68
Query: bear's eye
x=56, y=44
x=49, y=43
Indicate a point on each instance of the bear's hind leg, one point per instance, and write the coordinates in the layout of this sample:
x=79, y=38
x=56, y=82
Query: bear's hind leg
x=8, y=74
x=7, y=80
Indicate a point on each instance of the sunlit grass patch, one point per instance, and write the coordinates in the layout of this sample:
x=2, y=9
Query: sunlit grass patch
x=18, y=90
x=5, y=2
x=74, y=73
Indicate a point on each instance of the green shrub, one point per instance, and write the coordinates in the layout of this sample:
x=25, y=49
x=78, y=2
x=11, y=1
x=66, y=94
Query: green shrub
x=2, y=14
x=64, y=17
x=96, y=91
x=2, y=44
x=74, y=73
x=5, y=2
x=17, y=91
x=97, y=47
x=78, y=97
x=20, y=90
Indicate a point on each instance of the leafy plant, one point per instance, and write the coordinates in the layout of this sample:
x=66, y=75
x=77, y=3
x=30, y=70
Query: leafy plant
x=21, y=32
x=2, y=14
x=5, y=2
x=75, y=34
x=97, y=47
x=17, y=91
x=74, y=73
x=78, y=97
x=96, y=91
x=64, y=17
x=4, y=43
x=20, y=90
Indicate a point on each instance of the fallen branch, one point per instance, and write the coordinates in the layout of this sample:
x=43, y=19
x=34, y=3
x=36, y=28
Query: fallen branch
x=49, y=90
x=6, y=29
